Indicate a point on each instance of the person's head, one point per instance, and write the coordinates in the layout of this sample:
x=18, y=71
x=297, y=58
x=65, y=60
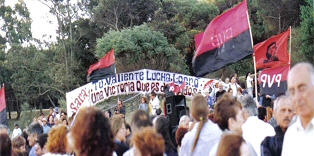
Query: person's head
x=283, y=111
x=230, y=91
x=184, y=121
x=152, y=95
x=63, y=115
x=65, y=122
x=220, y=86
x=200, y=112
x=40, y=147
x=232, y=145
x=51, y=110
x=33, y=131
x=162, y=127
x=16, y=126
x=262, y=113
x=271, y=50
x=44, y=121
x=301, y=89
x=147, y=142
x=248, y=106
x=139, y=120
x=90, y=133
x=228, y=114
x=4, y=129
x=143, y=99
x=120, y=105
x=227, y=80
x=57, y=140
x=233, y=79
x=56, y=110
x=117, y=124
x=50, y=119
x=128, y=129
x=181, y=131
x=108, y=114
x=247, y=74
x=5, y=145
x=19, y=143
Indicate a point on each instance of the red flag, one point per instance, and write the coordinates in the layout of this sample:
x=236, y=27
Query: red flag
x=274, y=80
x=226, y=40
x=273, y=52
x=198, y=39
x=2, y=99
x=105, y=62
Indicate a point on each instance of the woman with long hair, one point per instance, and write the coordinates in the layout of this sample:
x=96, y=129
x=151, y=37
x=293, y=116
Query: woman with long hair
x=57, y=142
x=204, y=135
x=119, y=132
x=162, y=127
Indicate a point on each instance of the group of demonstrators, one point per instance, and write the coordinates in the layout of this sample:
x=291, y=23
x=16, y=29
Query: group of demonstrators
x=231, y=127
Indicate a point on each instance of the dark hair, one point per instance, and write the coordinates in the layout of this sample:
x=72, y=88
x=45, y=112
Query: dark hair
x=5, y=145
x=35, y=128
x=141, y=119
x=262, y=113
x=268, y=55
x=127, y=126
x=18, y=141
x=153, y=93
x=158, y=111
x=227, y=107
x=162, y=127
x=247, y=74
x=42, y=140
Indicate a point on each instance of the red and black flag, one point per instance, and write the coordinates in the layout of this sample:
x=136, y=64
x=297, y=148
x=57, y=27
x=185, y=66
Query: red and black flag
x=198, y=39
x=3, y=105
x=273, y=52
x=226, y=40
x=274, y=80
x=102, y=69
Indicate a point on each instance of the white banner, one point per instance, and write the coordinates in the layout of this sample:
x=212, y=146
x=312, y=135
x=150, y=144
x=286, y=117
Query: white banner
x=141, y=81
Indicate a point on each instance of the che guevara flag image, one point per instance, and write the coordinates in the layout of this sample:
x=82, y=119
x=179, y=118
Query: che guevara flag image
x=3, y=105
x=102, y=69
x=226, y=40
x=273, y=52
x=273, y=80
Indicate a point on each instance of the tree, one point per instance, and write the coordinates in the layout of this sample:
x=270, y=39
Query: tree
x=140, y=47
x=307, y=31
x=119, y=14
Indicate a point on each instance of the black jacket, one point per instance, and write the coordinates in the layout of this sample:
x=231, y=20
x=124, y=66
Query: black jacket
x=272, y=146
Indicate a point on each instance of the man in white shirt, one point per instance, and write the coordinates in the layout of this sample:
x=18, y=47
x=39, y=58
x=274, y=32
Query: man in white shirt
x=17, y=131
x=254, y=129
x=299, y=138
x=154, y=102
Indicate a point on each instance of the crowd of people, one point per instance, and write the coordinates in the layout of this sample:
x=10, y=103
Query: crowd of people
x=229, y=125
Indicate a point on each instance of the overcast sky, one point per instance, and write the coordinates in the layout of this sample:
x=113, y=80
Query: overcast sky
x=43, y=22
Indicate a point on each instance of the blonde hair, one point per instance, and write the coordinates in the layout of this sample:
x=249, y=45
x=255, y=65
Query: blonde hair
x=200, y=113
x=116, y=123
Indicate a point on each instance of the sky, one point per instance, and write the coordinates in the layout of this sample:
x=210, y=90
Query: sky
x=43, y=22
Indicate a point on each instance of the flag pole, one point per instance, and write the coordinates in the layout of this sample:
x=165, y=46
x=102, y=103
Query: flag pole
x=254, y=60
x=290, y=46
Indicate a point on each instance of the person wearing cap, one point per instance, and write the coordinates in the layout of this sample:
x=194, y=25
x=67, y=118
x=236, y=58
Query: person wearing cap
x=57, y=115
x=16, y=132
x=46, y=128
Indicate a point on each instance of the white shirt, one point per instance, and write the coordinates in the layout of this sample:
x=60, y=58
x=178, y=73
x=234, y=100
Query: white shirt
x=209, y=136
x=16, y=132
x=234, y=88
x=255, y=131
x=299, y=141
x=249, y=82
x=155, y=105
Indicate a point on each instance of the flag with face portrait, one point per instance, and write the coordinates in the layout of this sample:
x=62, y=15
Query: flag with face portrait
x=226, y=40
x=273, y=52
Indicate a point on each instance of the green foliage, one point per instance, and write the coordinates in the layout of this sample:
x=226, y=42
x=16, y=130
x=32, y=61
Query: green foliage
x=307, y=32
x=140, y=48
